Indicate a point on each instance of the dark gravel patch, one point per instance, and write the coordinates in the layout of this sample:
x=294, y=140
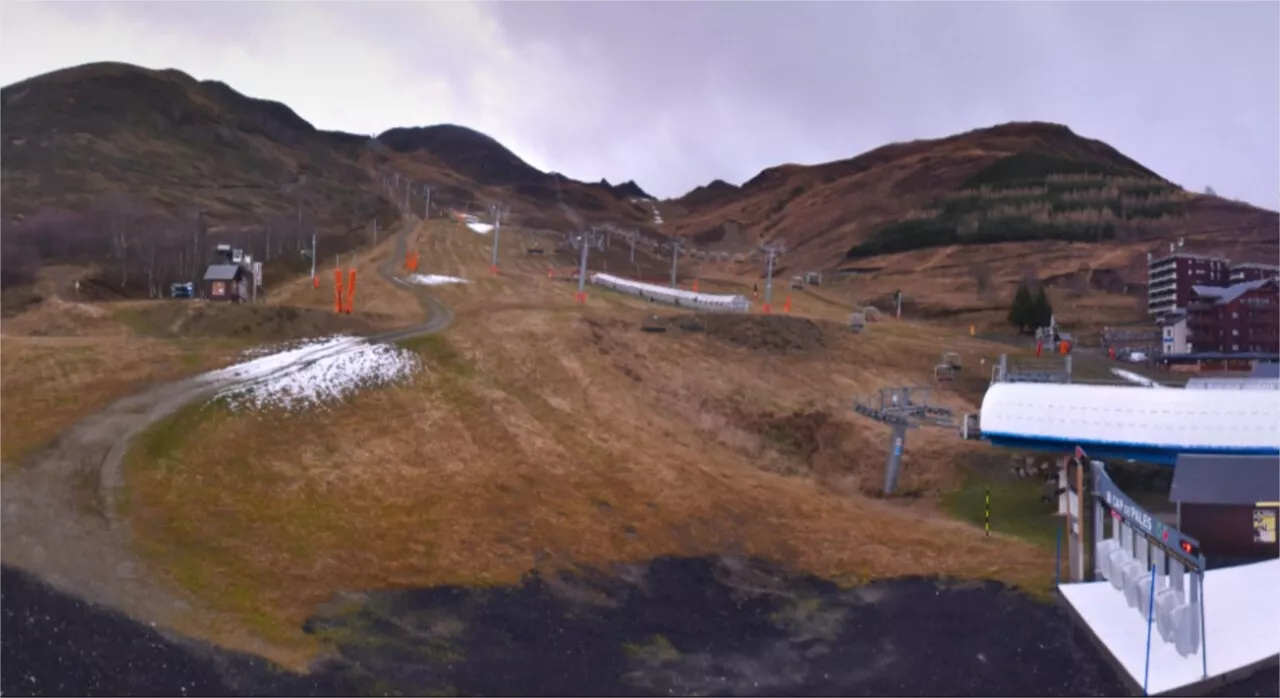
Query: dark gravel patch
x=54, y=644
x=672, y=627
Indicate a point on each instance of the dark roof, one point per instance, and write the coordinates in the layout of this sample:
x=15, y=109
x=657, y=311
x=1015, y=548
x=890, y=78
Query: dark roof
x=1265, y=369
x=223, y=272
x=1210, y=479
x=1222, y=295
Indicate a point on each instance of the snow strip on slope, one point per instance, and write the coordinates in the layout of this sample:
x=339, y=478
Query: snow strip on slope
x=312, y=373
x=1135, y=378
x=481, y=228
x=434, y=279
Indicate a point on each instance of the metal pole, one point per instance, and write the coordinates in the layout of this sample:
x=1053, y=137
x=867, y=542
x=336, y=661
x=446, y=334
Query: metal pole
x=893, y=464
x=493, y=262
x=313, y=255
x=375, y=232
x=675, y=254
x=633, y=247
x=582, y=264
x=768, y=278
x=426, y=207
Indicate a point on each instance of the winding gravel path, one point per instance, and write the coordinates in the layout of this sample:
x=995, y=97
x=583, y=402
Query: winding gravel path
x=59, y=519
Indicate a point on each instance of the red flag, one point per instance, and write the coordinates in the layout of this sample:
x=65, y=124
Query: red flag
x=1080, y=454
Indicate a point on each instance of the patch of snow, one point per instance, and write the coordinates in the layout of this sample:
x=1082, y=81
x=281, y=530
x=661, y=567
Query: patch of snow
x=434, y=279
x=1136, y=378
x=481, y=228
x=311, y=373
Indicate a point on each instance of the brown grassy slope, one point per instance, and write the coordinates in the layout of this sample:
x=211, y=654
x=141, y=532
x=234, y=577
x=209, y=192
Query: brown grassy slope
x=542, y=434
x=822, y=210
x=87, y=137
x=469, y=170
x=76, y=135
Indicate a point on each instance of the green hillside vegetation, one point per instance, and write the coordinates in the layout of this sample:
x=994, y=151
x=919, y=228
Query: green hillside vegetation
x=1033, y=197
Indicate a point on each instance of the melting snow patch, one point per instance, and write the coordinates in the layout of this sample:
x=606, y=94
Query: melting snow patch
x=312, y=373
x=434, y=279
x=481, y=228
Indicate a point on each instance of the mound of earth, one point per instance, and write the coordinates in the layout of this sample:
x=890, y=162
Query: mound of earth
x=241, y=321
x=775, y=334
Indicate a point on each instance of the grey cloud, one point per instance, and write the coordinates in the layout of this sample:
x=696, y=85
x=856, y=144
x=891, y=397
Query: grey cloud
x=675, y=94
x=1190, y=89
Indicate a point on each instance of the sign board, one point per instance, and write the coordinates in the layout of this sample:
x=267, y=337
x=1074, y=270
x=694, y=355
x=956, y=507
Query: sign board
x=257, y=273
x=1185, y=548
x=1264, y=525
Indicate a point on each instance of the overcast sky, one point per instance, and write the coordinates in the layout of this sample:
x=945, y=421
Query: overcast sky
x=675, y=94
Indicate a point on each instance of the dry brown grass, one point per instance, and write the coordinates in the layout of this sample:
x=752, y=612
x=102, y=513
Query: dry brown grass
x=543, y=435
x=48, y=383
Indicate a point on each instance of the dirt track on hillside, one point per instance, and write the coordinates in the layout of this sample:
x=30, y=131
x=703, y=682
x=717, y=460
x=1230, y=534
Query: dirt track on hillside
x=59, y=510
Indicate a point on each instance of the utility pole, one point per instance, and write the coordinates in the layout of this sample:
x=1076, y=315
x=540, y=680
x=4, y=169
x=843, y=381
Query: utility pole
x=770, y=251
x=584, y=240
x=426, y=207
x=375, y=232
x=313, y=254
x=676, y=247
x=497, y=224
x=633, y=236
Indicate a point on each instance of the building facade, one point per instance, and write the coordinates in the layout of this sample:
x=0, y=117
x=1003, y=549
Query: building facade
x=1241, y=318
x=1241, y=273
x=1171, y=278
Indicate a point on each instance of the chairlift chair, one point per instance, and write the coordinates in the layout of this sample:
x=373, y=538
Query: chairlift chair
x=952, y=359
x=942, y=373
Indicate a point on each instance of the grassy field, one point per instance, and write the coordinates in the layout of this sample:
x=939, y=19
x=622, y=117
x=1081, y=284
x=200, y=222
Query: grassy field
x=543, y=435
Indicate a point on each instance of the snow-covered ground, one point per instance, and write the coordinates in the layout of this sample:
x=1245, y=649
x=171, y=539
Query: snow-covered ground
x=434, y=279
x=481, y=228
x=311, y=373
x=1135, y=378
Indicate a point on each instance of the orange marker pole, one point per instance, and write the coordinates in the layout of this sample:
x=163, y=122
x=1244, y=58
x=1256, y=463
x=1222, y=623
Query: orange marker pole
x=695, y=285
x=351, y=289
x=765, y=308
x=337, y=290
x=786, y=306
x=315, y=281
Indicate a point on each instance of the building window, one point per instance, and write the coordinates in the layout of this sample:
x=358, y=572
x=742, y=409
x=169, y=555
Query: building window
x=1235, y=347
x=1235, y=316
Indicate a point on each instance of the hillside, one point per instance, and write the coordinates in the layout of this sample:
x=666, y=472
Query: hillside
x=140, y=172
x=1014, y=183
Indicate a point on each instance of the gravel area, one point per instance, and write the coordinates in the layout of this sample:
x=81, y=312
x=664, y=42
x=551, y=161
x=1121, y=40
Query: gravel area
x=672, y=627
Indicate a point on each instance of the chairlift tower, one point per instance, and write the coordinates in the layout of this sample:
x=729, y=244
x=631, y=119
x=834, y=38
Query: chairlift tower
x=903, y=408
x=676, y=247
x=583, y=241
x=770, y=253
x=496, y=211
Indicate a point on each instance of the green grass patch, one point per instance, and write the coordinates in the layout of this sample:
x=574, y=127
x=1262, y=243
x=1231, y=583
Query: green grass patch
x=440, y=354
x=1016, y=509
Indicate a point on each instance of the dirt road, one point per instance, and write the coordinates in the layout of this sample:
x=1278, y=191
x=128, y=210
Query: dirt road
x=59, y=510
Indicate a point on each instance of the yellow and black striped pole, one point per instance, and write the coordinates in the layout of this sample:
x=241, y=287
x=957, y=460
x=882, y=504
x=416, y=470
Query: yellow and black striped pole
x=986, y=519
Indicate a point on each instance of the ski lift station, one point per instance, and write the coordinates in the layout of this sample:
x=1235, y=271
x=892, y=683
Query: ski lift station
x=1139, y=585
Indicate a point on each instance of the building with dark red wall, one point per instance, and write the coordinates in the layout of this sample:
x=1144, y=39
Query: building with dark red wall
x=1243, y=317
x=1170, y=279
x=1252, y=272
